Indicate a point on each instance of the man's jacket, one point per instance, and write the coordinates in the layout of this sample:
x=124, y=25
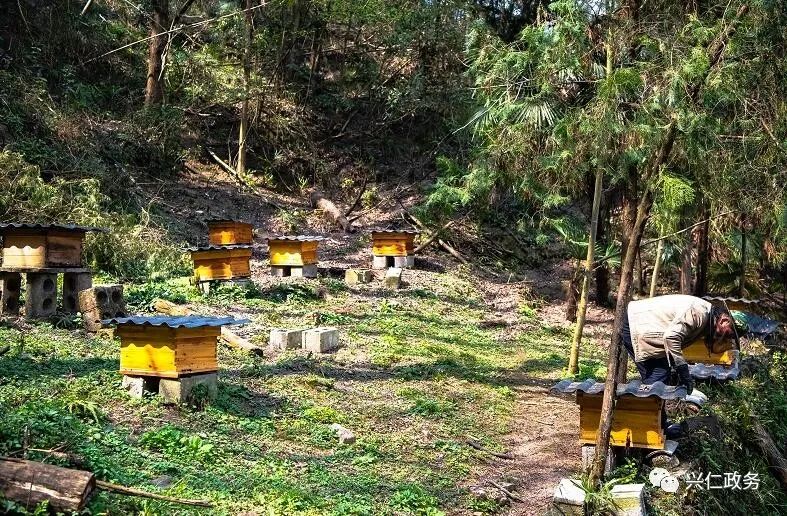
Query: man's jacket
x=662, y=326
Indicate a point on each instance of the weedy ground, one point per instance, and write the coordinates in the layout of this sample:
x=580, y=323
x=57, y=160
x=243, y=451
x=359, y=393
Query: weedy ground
x=418, y=374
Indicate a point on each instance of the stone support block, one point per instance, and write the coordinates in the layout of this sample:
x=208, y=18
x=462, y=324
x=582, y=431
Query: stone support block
x=393, y=278
x=182, y=390
x=10, y=290
x=285, y=339
x=356, y=276
x=41, y=295
x=73, y=284
x=320, y=340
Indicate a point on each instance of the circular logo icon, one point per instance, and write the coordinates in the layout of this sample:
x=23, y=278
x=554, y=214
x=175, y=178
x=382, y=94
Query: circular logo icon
x=670, y=484
x=657, y=475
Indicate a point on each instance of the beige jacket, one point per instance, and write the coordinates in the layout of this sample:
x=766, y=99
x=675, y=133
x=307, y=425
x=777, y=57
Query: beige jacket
x=662, y=326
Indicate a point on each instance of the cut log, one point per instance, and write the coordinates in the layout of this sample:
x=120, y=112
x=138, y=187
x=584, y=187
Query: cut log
x=29, y=483
x=165, y=307
x=768, y=448
x=233, y=340
x=319, y=201
x=236, y=341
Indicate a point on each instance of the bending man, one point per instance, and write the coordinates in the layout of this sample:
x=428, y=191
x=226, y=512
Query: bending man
x=657, y=329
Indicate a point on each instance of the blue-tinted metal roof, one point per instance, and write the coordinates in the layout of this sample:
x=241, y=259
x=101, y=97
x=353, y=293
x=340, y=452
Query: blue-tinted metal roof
x=297, y=238
x=717, y=371
x=407, y=231
x=68, y=227
x=633, y=388
x=218, y=247
x=186, y=321
x=222, y=219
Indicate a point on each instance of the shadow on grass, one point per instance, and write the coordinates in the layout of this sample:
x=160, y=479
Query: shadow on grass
x=26, y=368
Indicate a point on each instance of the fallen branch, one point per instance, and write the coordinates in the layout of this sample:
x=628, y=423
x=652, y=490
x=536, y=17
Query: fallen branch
x=432, y=237
x=234, y=173
x=506, y=492
x=319, y=201
x=478, y=446
x=108, y=486
x=442, y=243
x=358, y=198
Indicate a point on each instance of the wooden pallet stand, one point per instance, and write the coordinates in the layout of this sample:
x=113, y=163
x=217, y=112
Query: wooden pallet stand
x=169, y=355
x=294, y=256
x=393, y=248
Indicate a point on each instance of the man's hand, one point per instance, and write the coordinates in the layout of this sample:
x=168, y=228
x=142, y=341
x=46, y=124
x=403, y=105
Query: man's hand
x=685, y=377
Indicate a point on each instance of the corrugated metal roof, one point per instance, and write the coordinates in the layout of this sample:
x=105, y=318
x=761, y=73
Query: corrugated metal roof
x=69, y=227
x=732, y=299
x=219, y=247
x=408, y=231
x=633, y=388
x=717, y=371
x=186, y=321
x=219, y=219
x=297, y=238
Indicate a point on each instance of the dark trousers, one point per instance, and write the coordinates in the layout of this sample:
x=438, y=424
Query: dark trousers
x=651, y=370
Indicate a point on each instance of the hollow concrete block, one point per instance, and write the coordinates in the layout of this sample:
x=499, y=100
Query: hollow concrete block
x=41, y=295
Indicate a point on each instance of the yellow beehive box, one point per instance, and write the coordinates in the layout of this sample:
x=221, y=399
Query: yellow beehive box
x=393, y=243
x=636, y=422
x=698, y=353
x=168, y=347
x=229, y=232
x=221, y=262
x=41, y=246
x=293, y=250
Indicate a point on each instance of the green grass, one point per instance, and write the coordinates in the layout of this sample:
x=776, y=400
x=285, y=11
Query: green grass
x=415, y=377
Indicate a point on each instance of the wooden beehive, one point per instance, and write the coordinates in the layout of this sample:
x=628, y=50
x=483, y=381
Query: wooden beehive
x=229, y=232
x=698, y=353
x=40, y=246
x=392, y=243
x=293, y=250
x=636, y=421
x=167, y=352
x=221, y=262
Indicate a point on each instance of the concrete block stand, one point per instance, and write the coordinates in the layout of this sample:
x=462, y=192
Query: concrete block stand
x=41, y=295
x=285, y=339
x=10, y=290
x=320, y=340
x=181, y=390
x=356, y=276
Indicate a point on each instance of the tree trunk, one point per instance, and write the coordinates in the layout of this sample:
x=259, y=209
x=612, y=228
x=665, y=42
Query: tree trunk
x=614, y=355
x=703, y=254
x=654, y=280
x=685, y=266
x=572, y=294
x=243, y=132
x=573, y=363
x=154, y=89
x=602, y=270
